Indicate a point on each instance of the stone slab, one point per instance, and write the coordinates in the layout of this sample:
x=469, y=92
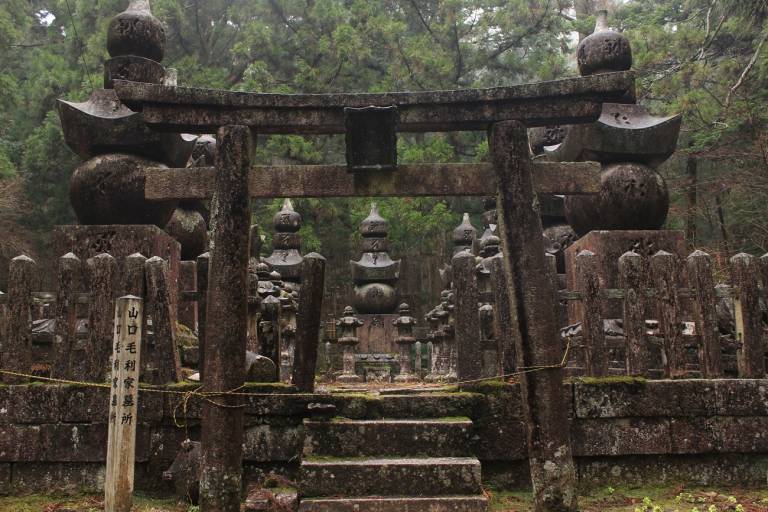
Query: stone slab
x=5, y=479
x=389, y=477
x=625, y=436
x=378, y=504
x=608, y=247
x=29, y=404
x=427, y=405
x=269, y=443
x=446, y=437
x=377, y=334
x=617, y=398
x=39, y=477
x=81, y=404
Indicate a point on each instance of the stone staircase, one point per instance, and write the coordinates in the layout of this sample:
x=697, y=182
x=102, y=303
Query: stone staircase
x=406, y=464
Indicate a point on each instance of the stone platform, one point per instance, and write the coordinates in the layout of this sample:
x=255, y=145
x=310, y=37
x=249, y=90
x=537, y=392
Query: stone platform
x=624, y=431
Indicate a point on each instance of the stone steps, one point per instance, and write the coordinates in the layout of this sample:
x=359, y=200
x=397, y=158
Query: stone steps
x=360, y=477
x=399, y=503
x=440, y=437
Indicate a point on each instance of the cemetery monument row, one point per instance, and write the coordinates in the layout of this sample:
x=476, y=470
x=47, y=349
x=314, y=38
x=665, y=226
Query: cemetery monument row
x=576, y=222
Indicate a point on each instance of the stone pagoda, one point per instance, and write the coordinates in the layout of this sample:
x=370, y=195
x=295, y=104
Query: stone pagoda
x=107, y=189
x=286, y=244
x=375, y=299
x=630, y=144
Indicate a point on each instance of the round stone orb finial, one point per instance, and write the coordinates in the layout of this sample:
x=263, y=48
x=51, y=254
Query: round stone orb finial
x=374, y=225
x=287, y=220
x=136, y=31
x=632, y=196
x=349, y=311
x=465, y=233
x=604, y=51
x=109, y=189
x=404, y=309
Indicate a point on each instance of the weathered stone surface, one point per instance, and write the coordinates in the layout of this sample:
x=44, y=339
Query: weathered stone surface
x=29, y=404
x=608, y=247
x=335, y=181
x=439, y=437
x=640, y=398
x=695, y=470
x=604, y=50
x=741, y=397
x=79, y=404
x=545, y=103
x=632, y=196
x=136, y=31
x=109, y=189
x=625, y=436
x=417, y=504
x=184, y=472
x=41, y=477
x=120, y=241
x=5, y=479
x=389, y=477
x=188, y=227
x=467, y=323
x=271, y=499
x=69, y=282
x=428, y=405
x=308, y=322
x=531, y=291
x=265, y=443
x=104, y=125
x=226, y=323
x=132, y=68
x=23, y=278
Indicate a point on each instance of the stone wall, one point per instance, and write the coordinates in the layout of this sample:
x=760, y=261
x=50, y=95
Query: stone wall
x=624, y=431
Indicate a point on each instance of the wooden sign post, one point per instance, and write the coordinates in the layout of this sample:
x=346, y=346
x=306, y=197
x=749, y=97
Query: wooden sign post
x=121, y=443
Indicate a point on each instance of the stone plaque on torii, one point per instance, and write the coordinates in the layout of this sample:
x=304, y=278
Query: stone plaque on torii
x=371, y=123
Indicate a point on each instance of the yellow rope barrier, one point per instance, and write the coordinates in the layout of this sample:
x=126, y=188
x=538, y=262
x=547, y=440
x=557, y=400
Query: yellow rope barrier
x=207, y=395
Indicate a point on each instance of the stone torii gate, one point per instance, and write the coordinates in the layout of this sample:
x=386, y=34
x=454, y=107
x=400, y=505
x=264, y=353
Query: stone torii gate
x=370, y=123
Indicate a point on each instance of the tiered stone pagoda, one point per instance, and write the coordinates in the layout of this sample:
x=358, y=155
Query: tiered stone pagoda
x=286, y=245
x=375, y=277
x=107, y=189
x=630, y=144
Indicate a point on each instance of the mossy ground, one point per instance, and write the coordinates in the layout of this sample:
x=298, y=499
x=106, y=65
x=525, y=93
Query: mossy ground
x=652, y=499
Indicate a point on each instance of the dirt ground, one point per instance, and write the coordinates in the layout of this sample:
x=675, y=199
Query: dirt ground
x=607, y=500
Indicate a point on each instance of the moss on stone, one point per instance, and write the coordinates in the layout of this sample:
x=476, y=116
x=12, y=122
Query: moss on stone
x=614, y=380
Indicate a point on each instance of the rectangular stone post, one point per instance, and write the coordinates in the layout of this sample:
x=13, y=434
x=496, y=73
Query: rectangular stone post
x=467, y=329
x=704, y=302
x=308, y=320
x=746, y=312
x=593, y=335
x=188, y=283
x=531, y=296
x=17, y=349
x=69, y=284
x=632, y=276
x=505, y=317
x=203, y=266
x=102, y=279
x=664, y=272
x=123, y=406
x=226, y=324
x=163, y=361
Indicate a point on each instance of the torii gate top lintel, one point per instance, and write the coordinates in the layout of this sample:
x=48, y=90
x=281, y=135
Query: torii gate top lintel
x=568, y=101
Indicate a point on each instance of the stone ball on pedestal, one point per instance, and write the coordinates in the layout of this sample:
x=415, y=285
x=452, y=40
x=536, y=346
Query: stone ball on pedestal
x=188, y=227
x=109, y=189
x=375, y=298
x=136, y=31
x=632, y=196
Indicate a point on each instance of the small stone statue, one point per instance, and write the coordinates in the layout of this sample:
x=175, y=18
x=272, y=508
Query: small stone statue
x=348, y=324
x=184, y=472
x=405, y=340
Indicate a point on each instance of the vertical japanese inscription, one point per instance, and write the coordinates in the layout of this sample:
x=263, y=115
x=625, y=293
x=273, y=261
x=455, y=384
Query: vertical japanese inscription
x=124, y=388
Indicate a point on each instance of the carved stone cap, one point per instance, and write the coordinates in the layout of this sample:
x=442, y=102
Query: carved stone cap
x=136, y=31
x=605, y=50
x=374, y=225
x=465, y=233
x=287, y=220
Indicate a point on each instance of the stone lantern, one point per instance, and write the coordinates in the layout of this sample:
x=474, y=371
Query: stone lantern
x=449, y=357
x=405, y=340
x=348, y=325
x=288, y=303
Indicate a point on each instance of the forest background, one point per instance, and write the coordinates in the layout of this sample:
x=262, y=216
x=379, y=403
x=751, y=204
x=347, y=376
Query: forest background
x=707, y=59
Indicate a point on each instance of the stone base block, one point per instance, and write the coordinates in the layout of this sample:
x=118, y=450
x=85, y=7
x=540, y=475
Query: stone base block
x=377, y=334
x=379, y=504
x=609, y=246
x=121, y=241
